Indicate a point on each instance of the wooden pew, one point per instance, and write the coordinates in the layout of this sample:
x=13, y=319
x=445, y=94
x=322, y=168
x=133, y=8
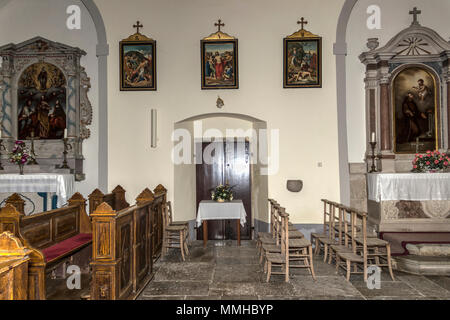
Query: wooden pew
x=54, y=238
x=116, y=199
x=123, y=246
x=14, y=261
x=16, y=200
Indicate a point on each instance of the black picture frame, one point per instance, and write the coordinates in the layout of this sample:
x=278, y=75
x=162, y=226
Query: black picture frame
x=145, y=71
x=304, y=74
x=229, y=71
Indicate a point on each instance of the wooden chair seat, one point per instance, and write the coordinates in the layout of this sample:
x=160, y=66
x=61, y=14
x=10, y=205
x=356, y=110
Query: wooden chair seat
x=295, y=235
x=372, y=242
x=180, y=223
x=266, y=235
x=319, y=235
x=271, y=248
x=175, y=228
x=276, y=258
x=350, y=256
x=299, y=243
x=327, y=241
x=292, y=228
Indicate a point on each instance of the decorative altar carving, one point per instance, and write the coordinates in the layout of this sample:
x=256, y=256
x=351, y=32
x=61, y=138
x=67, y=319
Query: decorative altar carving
x=43, y=92
x=407, y=103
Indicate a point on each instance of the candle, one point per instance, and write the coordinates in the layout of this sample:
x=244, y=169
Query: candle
x=373, y=137
x=65, y=133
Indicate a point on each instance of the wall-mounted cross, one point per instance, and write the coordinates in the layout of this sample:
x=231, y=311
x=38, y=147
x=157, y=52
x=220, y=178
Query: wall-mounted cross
x=138, y=25
x=219, y=24
x=302, y=22
x=415, y=13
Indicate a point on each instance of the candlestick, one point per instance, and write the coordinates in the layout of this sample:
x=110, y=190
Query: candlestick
x=67, y=147
x=373, y=167
x=33, y=160
x=2, y=147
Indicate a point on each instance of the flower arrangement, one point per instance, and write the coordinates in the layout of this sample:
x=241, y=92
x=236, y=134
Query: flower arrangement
x=431, y=161
x=20, y=155
x=222, y=193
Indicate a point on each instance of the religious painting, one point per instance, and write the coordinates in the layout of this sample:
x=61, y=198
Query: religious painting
x=415, y=110
x=302, y=63
x=138, y=64
x=219, y=64
x=41, y=102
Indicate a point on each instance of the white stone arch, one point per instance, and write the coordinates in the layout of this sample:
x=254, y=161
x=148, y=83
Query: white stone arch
x=184, y=176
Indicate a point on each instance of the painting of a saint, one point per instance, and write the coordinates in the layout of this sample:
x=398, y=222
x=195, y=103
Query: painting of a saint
x=219, y=64
x=415, y=111
x=41, y=102
x=138, y=66
x=302, y=63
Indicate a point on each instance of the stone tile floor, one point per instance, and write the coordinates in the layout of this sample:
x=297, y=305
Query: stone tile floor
x=224, y=271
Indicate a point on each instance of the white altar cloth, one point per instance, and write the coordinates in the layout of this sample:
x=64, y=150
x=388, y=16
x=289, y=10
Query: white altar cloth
x=61, y=184
x=408, y=186
x=213, y=210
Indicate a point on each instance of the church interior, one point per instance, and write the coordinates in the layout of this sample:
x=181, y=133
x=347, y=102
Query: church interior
x=313, y=166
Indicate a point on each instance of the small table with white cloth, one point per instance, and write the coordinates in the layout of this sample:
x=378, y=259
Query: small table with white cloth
x=213, y=210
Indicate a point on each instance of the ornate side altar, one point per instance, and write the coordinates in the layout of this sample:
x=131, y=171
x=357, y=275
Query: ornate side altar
x=43, y=94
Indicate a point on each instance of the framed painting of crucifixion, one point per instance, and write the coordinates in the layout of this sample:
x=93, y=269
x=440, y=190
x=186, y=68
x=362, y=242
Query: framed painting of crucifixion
x=302, y=59
x=219, y=58
x=138, y=62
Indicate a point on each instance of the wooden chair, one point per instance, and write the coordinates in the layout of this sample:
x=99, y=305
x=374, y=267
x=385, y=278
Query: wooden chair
x=280, y=259
x=299, y=250
x=179, y=223
x=378, y=252
x=326, y=226
x=329, y=237
x=267, y=235
x=174, y=236
x=355, y=255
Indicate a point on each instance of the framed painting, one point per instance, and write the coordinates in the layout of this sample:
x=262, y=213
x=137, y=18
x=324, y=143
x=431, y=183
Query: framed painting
x=138, y=63
x=302, y=60
x=219, y=59
x=220, y=64
x=415, y=100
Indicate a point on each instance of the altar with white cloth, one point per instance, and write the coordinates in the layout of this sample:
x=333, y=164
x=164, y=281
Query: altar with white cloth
x=409, y=202
x=213, y=210
x=61, y=185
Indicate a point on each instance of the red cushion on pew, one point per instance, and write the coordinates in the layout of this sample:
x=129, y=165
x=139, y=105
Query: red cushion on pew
x=65, y=246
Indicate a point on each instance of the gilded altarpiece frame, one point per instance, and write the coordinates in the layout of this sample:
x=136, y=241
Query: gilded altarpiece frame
x=50, y=71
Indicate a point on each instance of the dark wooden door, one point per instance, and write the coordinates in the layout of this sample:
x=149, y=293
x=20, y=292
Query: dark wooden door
x=230, y=164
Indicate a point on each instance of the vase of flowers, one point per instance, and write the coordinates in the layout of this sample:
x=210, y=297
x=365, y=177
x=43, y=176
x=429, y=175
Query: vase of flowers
x=222, y=193
x=431, y=161
x=20, y=155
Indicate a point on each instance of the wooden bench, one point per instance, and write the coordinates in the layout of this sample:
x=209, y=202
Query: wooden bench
x=116, y=199
x=14, y=261
x=123, y=246
x=55, y=238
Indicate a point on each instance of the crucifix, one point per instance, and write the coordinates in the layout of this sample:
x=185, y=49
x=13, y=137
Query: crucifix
x=302, y=22
x=219, y=24
x=138, y=25
x=418, y=145
x=415, y=13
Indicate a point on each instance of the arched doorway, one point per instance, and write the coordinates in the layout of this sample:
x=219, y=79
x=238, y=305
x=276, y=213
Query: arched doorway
x=191, y=133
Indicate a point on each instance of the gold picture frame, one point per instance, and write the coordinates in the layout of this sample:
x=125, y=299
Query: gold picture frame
x=138, y=63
